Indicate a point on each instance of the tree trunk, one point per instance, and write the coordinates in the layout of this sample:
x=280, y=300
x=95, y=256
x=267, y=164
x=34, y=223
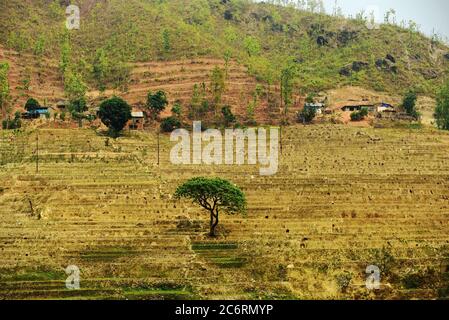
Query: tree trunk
x=213, y=223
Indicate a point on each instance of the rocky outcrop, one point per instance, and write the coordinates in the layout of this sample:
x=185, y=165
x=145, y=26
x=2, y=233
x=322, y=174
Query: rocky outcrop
x=387, y=64
x=356, y=66
x=322, y=41
x=359, y=66
x=429, y=74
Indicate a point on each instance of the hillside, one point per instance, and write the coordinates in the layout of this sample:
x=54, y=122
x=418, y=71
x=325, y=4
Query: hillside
x=328, y=51
x=344, y=198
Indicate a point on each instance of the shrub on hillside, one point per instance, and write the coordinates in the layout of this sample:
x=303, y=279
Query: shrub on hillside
x=307, y=114
x=177, y=110
x=359, y=115
x=169, y=124
x=228, y=116
x=15, y=123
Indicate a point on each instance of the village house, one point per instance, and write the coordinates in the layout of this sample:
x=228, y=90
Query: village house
x=40, y=113
x=358, y=106
x=385, y=107
x=62, y=106
x=319, y=107
x=137, y=121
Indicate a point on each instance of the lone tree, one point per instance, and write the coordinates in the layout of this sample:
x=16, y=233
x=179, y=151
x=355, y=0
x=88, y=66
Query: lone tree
x=214, y=195
x=115, y=113
x=442, y=108
x=409, y=104
x=156, y=103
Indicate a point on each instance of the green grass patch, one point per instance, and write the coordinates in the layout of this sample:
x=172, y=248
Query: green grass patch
x=32, y=275
x=105, y=254
x=223, y=255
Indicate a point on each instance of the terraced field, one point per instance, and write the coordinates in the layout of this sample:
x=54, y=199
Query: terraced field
x=344, y=198
x=177, y=78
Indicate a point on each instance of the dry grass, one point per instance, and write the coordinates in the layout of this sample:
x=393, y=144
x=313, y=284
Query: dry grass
x=344, y=198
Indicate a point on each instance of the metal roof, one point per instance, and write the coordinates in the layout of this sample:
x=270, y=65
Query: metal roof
x=137, y=114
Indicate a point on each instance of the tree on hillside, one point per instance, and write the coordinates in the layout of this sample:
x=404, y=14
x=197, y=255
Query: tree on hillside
x=4, y=86
x=14, y=123
x=18, y=41
x=39, y=49
x=442, y=108
x=64, y=60
x=214, y=195
x=228, y=116
x=307, y=114
x=195, y=103
x=32, y=104
x=101, y=68
x=166, y=44
x=77, y=108
x=156, y=103
x=288, y=76
x=409, y=104
x=252, y=46
x=176, y=110
x=74, y=86
x=218, y=86
x=115, y=113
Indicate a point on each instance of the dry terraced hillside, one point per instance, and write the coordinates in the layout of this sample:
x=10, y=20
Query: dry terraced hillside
x=344, y=198
x=177, y=78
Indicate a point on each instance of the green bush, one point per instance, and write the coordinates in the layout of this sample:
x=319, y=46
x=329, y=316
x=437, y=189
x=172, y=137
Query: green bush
x=409, y=104
x=413, y=281
x=359, y=115
x=228, y=116
x=442, y=108
x=307, y=114
x=177, y=110
x=169, y=124
x=15, y=123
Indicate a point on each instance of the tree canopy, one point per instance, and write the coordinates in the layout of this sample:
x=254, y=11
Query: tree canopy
x=32, y=104
x=442, y=108
x=409, y=103
x=214, y=195
x=4, y=84
x=115, y=113
x=157, y=102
